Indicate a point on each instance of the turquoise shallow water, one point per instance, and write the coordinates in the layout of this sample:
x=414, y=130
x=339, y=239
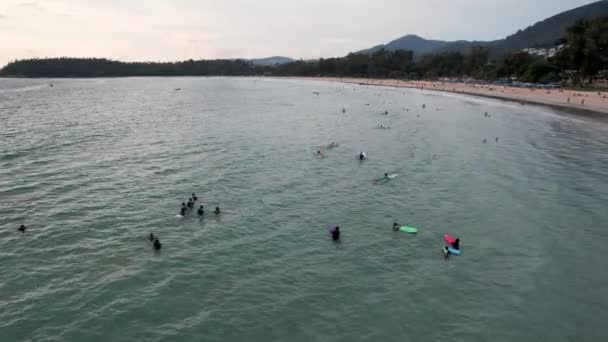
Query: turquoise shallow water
x=93, y=166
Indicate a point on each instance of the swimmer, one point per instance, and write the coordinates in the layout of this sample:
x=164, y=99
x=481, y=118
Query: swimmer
x=335, y=233
x=22, y=228
x=384, y=178
x=157, y=245
x=485, y=140
x=151, y=237
x=190, y=203
x=200, y=211
x=183, y=210
x=361, y=156
x=217, y=211
x=395, y=226
x=194, y=197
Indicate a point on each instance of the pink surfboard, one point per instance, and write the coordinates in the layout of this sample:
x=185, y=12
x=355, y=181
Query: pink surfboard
x=449, y=238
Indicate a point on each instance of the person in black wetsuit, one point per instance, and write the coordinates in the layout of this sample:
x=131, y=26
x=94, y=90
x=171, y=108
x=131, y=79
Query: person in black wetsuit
x=217, y=211
x=190, y=203
x=194, y=197
x=456, y=244
x=183, y=210
x=200, y=211
x=157, y=245
x=335, y=234
x=395, y=226
x=361, y=156
x=151, y=237
x=22, y=228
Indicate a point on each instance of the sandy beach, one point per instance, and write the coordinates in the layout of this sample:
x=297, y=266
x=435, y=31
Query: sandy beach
x=590, y=102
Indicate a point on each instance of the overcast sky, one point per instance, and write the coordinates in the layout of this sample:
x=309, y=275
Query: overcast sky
x=182, y=29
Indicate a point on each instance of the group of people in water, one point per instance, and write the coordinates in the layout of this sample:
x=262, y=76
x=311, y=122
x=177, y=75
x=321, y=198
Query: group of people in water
x=186, y=208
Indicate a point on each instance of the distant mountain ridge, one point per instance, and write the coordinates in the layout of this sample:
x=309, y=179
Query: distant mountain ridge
x=270, y=61
x=542, y=34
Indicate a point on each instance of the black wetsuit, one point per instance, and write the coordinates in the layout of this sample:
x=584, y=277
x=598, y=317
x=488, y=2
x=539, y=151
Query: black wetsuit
x=335, y=234
x=157, y=245
x=200, y=212
x=456, y=245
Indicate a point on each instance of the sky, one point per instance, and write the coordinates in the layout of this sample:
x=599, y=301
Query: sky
x=169, y=30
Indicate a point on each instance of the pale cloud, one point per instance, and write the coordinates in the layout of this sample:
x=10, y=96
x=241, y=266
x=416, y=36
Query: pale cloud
x=167, y=30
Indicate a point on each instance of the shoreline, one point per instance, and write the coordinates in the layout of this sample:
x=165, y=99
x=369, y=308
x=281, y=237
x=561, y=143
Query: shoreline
x=591, y=104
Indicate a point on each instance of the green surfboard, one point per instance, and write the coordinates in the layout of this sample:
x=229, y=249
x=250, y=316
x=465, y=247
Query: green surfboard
x=407, y=229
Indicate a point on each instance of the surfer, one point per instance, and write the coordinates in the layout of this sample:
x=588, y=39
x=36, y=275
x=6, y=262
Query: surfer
x=194, y=197
x=456, y=244
x=157, y=245
x=320, y=154
x=217, y=211
x=361, y=156
x=200, y=211
x=190, y=203
x=184, y=209
x=151, y=237
x=395, y=226
x=22, y=228
x=335, y=233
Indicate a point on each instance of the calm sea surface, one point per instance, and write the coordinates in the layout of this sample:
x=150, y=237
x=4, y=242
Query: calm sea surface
x=93, y=166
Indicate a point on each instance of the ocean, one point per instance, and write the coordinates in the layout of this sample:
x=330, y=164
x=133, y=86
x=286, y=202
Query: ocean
x=92, y=166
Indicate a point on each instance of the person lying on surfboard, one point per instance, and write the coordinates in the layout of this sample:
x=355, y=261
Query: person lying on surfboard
x=384, y=178
x=456, y=244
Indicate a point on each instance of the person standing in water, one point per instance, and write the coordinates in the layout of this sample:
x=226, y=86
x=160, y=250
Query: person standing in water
x=217, y=211
x=151, y=237
x=200, y=211
x=194, y=197
x=183, y=210
x=157, y=245
x=335, y=233
x=22, y=228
